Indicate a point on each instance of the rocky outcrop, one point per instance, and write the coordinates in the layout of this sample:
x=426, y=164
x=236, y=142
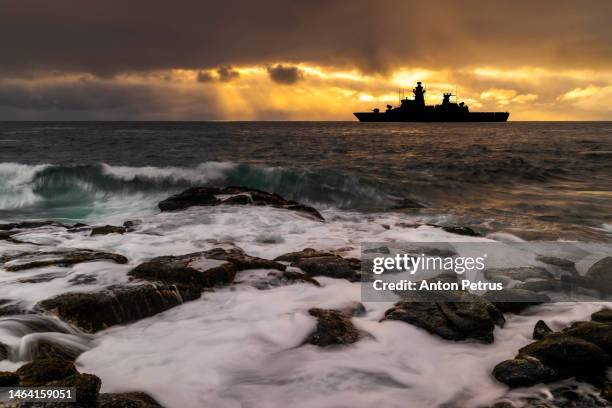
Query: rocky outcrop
x=64, y=257
x=44, y=370
x=108, y=229
x=323, y=263
x=30, y=225
x=515, y=300
x=602, y=316
x=95, y=311
x=52, y=372
x=210, y=196
x=334, y=328
x=201, y=270
x=541, y=330
x=464, y=316
x=582, y=350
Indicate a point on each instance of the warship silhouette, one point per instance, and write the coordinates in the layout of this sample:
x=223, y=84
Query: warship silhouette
x=415, y=110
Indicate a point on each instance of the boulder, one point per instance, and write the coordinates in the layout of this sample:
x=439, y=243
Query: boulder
x=95, y=311
x=467, y=317
x=562, y=263
x=541, y=330
x=127, y=400
x=67, y=257
x=515, y=300
x=108, y=229
x=594, y=332
x=305, y=253
x=44, y=370
x=600, y=273
x=210, y=196
x=602, y=316
x=8, y=379
x=330, y=266
x=333, y=328
x=87, y=386
x=201, y=270
x=523, y=372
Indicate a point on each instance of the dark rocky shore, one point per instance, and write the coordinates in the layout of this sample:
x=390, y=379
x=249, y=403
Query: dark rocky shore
x=582, y=351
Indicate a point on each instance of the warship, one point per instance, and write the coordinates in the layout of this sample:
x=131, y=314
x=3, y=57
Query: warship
x=415, y=110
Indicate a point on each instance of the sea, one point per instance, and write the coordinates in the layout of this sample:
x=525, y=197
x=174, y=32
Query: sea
x=383, y=182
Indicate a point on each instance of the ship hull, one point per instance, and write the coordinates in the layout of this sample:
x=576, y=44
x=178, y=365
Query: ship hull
x=433, y=117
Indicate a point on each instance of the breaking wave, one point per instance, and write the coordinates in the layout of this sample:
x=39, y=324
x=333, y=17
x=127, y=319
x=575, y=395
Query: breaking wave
x=82, y=192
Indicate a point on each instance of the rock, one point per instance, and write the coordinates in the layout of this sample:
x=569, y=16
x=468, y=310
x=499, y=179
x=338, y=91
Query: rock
x=542, y=285
x=94, y=311
x=469, y=316
x=43, y=348
x=380, y=250
x=305, y=253
x=522, y=372
x=515, y=300
x=44, y=370
x=600, y=273
x=209, y=196
x=330, y=266
x=201, y=270
x=8, y=379
x=131, y=225
x=285, y=277
x=333, y=328
x=8, y=308
x=560, y=262
x=602, y=316
x=407, y=203
x=108, y=229
x=594, y=332
x=66, y=257
x=127, y=400
x=87, y=386
x=541, y=330
x=4, y=351
x=459, y=230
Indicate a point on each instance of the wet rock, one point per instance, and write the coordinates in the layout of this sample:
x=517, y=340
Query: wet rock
x=515, y=300
x=208, y=196
x=201, y=270
x=559, y=262
x=42, y=277
x=108, y=229
x=379, y=250
x=87, y=386
x=275, y=279
x=131, y=225
x=8, y=236
x=599, y=334
x=305, y=253
x=66, y=257
x=467, y=317
x=407, y=203
x=600, y=274
x=293, y=277
x=8, y=379
x=44, y=370
x=330, y=266
x=333, y=328
x=82, y=279
x=8, y=308
x=127, y=400
x=43, y=348
x=567, y=355
x=4, y=351
x=543, y=285
x=523, y=372
x=602, y=316
x=541, y=330
x=461, y=230
x=116, y=305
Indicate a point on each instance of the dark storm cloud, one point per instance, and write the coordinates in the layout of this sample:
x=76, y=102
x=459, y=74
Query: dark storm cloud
x=98, y=100
x=118, y=36
x=283, y=74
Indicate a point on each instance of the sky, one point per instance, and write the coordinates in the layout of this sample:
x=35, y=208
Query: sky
x=301, y=59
